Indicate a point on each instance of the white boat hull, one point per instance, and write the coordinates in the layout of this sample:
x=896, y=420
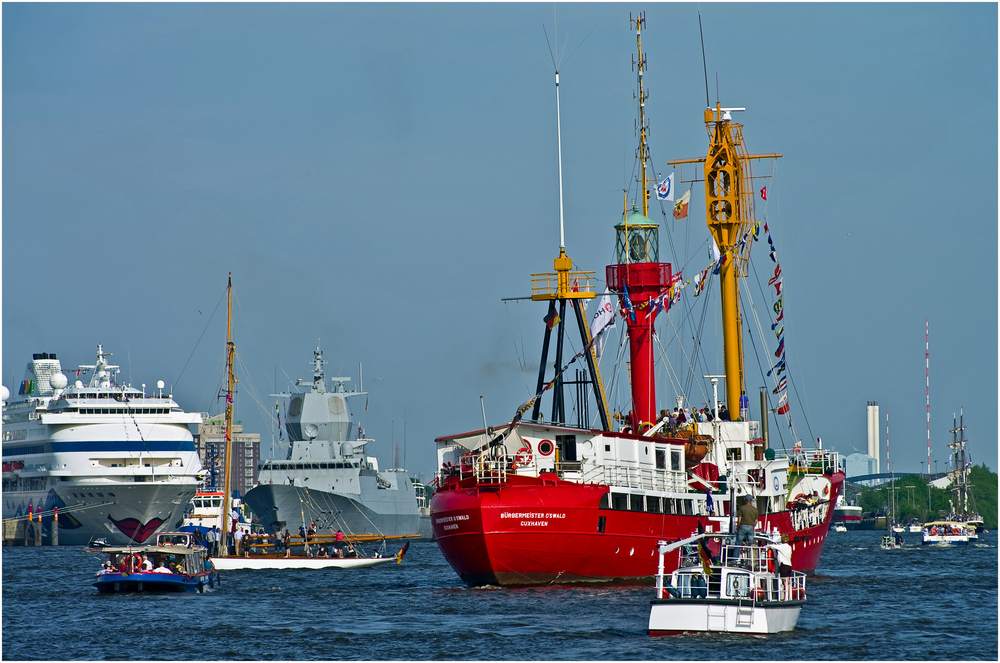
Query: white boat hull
x=121, y=513
x=261, y=563
x=946, y=540
x=675, y=616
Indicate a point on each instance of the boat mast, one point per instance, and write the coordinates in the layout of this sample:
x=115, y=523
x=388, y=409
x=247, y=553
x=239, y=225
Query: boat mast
x=958, y=456
x=927, y=368
x=892, y=477
x=231, y=380
x=729, y=208
x=559, y=287
x=639, y=277
x=640, y=64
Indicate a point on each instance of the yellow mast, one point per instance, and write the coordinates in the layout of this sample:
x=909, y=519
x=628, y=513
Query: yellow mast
x=230, y=352
x=729, y=208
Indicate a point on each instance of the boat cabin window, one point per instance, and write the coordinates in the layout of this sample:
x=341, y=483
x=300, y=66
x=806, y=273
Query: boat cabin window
x=567, y=447
x=738, y=585
x=653, y=504
x=636, y=503
x=734, y=454
x=619, y=501
x=675, y=460
x=661, y=459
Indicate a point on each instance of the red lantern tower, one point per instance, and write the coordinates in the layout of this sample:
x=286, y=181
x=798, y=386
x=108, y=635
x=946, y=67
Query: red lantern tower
x=640, y=278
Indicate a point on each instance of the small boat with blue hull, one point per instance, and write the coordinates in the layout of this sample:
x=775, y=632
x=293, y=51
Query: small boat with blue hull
x=174, y=563
x=719, y=587
x=947, y=533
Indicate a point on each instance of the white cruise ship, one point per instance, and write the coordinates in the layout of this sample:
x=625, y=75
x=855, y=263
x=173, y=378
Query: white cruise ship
x=118, y=463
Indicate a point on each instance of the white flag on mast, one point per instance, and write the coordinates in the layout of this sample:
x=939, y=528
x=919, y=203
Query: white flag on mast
x=665, y=189
x=604, y=313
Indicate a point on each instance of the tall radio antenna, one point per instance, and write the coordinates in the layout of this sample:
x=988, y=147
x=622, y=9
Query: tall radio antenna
x=556, y=65
x=704, y=65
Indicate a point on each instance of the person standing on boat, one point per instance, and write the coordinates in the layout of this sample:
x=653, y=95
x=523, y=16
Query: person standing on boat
x=238, y=538
x=783, y=555
x=747, y=520
x=213, y=541
x=279, y=541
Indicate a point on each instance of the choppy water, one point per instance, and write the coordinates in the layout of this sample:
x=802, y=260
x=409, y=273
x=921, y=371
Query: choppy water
x=919, y=603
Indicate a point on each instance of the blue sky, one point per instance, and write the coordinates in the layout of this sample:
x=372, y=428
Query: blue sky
x=378, y=177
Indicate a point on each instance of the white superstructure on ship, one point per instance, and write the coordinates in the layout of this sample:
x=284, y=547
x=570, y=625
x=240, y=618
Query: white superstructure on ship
x=119, y=464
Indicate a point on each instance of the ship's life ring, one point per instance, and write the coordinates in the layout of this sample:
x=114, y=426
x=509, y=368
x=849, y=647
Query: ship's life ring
x=135, y=562
x=770, y=560
x=826, y=490
x=798, y=593
x=934, y=531
x=524, y=455
x=758, y=594
x=776, y=485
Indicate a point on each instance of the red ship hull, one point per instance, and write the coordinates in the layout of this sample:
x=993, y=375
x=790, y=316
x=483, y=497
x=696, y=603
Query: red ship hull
x=530, y=531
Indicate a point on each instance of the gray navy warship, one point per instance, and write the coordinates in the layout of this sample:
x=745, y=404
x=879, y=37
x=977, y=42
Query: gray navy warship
x=327, y=478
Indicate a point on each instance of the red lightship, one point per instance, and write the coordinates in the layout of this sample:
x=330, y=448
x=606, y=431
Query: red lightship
x=535, y=501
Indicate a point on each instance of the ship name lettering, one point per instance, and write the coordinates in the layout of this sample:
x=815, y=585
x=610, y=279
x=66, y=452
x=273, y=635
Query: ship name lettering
x=450, y=519
x=534, y=523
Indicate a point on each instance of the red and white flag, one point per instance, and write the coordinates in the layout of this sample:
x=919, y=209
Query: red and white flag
x=681, y=206
x=783, y=404
x=763, y=193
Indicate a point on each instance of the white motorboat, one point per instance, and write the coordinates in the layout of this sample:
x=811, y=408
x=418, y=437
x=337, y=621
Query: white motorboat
x=946, y=533
x=737, y=589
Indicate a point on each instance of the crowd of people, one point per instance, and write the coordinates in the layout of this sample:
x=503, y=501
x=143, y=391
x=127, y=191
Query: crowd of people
x=245, y=544
x=679, y=418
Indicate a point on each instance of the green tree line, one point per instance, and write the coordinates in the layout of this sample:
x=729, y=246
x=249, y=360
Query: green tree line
x=917, y=499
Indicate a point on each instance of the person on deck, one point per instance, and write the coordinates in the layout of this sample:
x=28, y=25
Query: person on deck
x=724, y=413
x=213, y=541
x=340, y=541
x=747, y=520
x=783, y=556
x=238, y=541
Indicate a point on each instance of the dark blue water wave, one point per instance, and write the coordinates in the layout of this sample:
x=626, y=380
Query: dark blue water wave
x=918, y=603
